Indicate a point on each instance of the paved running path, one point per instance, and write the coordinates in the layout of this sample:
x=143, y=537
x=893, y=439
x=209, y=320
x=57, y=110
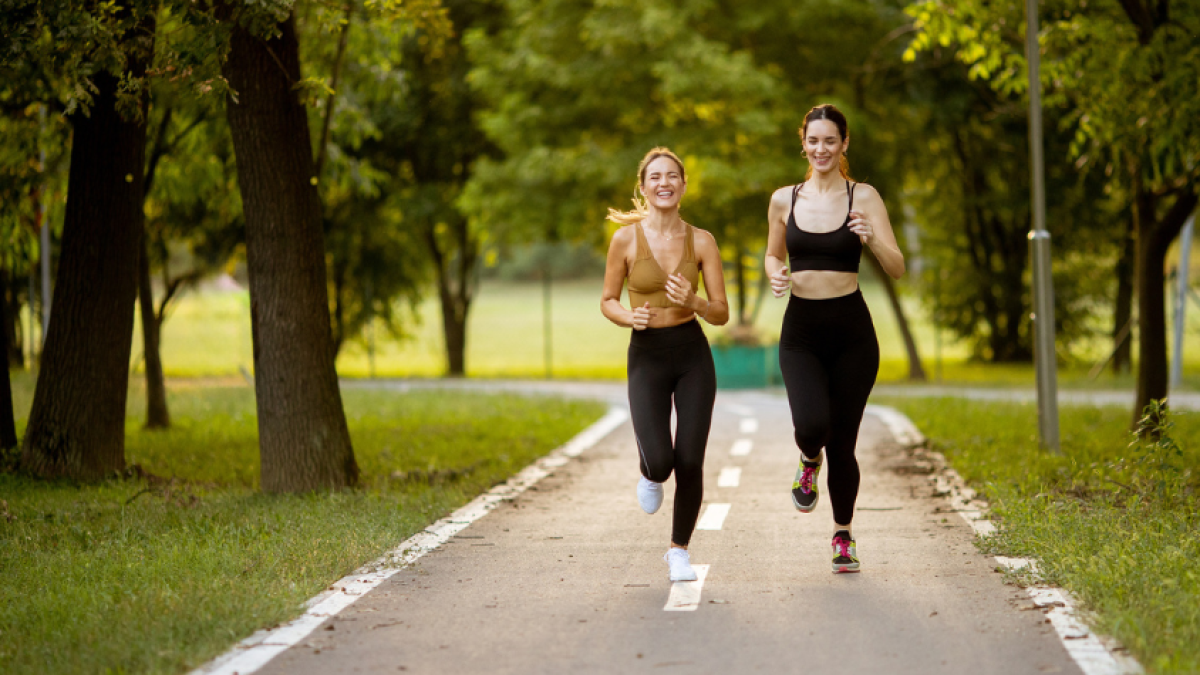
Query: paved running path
x=568, y=578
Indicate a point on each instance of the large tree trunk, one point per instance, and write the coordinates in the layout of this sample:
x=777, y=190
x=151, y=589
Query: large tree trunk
x=8, y=426
x=1123, y=308
x=1154, y=238
x=157, y=415
x=916, y=370
x=303, y=440
x=77, y=423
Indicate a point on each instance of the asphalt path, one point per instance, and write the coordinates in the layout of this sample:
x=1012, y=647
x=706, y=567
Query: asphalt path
x=569, y=578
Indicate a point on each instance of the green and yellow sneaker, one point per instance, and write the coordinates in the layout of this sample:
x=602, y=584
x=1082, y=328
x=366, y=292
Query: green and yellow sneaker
x=804, y=488
x=844, y=553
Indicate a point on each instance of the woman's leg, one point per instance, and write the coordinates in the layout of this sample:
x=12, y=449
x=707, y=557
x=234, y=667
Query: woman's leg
x=694, y=396
x=853, y=374
x=650, y=386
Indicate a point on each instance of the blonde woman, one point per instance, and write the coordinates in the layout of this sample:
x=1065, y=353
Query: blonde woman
x=669, y=358
x=828, y=351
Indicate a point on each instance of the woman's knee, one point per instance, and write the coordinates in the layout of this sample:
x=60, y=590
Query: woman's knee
x=811, y=437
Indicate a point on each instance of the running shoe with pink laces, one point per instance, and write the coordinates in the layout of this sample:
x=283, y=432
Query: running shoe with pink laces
x=844, y=553
x=804, y=488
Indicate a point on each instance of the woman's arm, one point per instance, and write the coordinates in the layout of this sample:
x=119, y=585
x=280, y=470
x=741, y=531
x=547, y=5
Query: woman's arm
x=870, y=222
x=714, y=309
x=615, y=271
x=776, y=260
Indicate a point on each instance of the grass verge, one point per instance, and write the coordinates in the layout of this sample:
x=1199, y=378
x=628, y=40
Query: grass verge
x=1112, y=522
x=159, y=574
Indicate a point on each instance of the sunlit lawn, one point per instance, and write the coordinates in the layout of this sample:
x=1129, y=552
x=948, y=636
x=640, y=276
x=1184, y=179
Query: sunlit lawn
x=159, y=575
x=208, y=333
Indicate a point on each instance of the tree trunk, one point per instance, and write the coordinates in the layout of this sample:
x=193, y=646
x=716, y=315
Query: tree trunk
x=1154, y=238
x=1123, y=309
x=14, y=350
x=916, y=370
x=77, y=423
x=303, y=440
x=8, y=426
x=157, y=415
x=454, y=290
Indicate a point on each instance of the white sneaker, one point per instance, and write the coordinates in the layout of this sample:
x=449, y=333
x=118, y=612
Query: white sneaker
x=681, y=564
x=650, y=495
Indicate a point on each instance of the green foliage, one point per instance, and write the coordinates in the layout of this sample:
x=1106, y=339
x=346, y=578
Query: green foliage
x=152, y=575
x=1113, y=523
x=1125, y=73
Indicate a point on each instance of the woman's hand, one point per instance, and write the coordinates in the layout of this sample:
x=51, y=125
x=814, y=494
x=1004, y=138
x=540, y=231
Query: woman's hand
x=679, y=291
x=781, y=283
x=862, y=227
x=642, y=316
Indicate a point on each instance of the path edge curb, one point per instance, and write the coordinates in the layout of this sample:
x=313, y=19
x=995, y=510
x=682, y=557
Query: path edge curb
x=256, y=651
x=1094, y=654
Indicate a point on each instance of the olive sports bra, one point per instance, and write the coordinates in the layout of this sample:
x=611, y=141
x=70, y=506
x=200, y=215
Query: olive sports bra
x=648, y=281
x=836, y=251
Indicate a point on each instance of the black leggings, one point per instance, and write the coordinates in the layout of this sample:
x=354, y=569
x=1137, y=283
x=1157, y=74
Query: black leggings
x=665, y=364
x=829, y=357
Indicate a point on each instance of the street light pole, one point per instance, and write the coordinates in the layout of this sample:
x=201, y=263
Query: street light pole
x=1039, y=248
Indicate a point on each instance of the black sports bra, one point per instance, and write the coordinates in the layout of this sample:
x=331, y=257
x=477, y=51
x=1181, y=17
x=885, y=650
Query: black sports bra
x=836, y=251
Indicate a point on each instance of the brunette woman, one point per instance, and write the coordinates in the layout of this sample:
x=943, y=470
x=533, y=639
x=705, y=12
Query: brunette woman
x=828, y=351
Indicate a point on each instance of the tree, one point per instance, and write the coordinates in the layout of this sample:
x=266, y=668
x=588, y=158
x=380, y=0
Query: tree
x=8, y=426
x=76, y=426
x=303, y=439
x=1125, y=76
x=377, y=264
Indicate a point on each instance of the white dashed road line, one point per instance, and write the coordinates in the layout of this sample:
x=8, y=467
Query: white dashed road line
x=741, y=447
x=748, y=425
x=713, y=517
x=685, y=595
x=730, y=476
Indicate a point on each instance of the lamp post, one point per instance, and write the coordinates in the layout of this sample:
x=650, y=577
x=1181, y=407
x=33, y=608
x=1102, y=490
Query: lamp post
x=1039, y=248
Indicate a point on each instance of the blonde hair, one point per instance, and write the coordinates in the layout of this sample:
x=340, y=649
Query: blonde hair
x=640, y=210
x=828, y=111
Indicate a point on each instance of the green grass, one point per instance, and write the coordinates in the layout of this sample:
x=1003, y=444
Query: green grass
x=160, y=575
x=208, y=334
x=1114, y=524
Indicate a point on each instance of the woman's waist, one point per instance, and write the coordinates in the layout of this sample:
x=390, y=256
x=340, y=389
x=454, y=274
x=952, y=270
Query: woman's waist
x=668, y=331
x=823, y=284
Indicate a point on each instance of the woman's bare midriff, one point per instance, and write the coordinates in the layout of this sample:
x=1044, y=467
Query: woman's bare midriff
x=670, y=316
x=821, y=284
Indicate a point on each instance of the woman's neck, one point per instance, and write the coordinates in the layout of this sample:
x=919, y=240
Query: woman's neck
x=829, y=181
x=663, y=221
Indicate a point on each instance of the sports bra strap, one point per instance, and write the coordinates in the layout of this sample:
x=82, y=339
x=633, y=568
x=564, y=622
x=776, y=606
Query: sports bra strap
x=795, y=191
x=643, y=246
x=850, y=189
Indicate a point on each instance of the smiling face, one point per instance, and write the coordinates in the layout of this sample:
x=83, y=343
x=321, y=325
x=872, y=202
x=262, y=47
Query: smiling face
x=663, y=184
x=824, y=145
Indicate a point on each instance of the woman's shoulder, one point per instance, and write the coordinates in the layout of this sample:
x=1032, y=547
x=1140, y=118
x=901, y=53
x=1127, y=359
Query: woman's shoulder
x=702, y=237
x=784, y=193
x=624, y=234
x=866, y=191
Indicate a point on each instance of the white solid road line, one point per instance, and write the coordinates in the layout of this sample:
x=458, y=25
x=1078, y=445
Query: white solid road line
x=730, y=476
x=255, y=651
x=748, y=425
x=685, y=595
x=741, y=447
x=713, y=517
